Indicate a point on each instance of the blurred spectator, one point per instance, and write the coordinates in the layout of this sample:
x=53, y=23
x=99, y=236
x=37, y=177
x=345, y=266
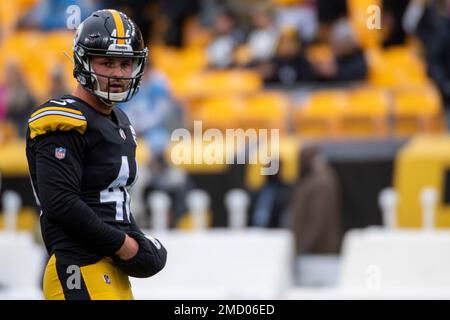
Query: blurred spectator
x=143, y=12
x=315, y=208
x=226, y=37
x=263, y=38
x=289, y=64
x=330, y=11
x=241, y=10
x=433, y=17
x=433, y=30
x=178, y=12
x=19, y=99
x=52, y=14
x=413, y=14
x=392, y=21
x=154, y=113
x=58, y=86
x=302, y=17
x=349, y=62
x=206, y=14
x=269, y=208
x=327, y=13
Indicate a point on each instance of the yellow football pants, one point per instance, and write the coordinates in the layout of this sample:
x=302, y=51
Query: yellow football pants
x=98, y=281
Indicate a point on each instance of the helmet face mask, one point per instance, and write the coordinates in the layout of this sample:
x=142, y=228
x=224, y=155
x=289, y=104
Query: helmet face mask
x=105, y=92
x=109, y=34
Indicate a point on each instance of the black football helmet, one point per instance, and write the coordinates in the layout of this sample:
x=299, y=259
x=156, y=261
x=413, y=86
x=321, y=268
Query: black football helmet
x=108, y=33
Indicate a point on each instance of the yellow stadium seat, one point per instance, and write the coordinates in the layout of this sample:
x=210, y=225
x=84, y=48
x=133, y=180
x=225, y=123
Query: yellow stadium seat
x=265, y=110
x=13, y=161
x=188, y=86
x=417, y=109
x=394, y=67
x=221, y=112
x=174, y=62
x=25, y=49
x=194, y=35
x=423, y=162
x=366, y=113
x=36, y=54
x=8, y=14
x=192, y=107
x=11, y=11
x=233, y=81
x=8, y=132
x=321, y=114
x=210, y=83
x=59, y=42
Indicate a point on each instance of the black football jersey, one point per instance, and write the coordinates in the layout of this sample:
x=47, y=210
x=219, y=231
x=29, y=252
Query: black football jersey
x=81, y=164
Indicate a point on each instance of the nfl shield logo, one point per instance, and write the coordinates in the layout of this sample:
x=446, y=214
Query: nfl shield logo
x=106, y=278
x=60, y=153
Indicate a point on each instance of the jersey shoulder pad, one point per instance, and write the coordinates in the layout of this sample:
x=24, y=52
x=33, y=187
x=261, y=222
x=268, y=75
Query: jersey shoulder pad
x=56, y=115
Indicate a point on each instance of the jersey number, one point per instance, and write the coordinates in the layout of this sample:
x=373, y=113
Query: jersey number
x=117, y=192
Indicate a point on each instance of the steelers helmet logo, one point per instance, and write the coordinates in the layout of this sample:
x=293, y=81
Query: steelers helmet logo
x=106, y=278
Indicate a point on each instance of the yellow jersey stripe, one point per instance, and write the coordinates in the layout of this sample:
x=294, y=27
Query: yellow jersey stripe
x=55, y=108
x=52, y=123
x=119, y=26
x=61, y=113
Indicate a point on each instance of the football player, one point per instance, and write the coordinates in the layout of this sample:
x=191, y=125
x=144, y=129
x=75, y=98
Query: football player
x=81, y=156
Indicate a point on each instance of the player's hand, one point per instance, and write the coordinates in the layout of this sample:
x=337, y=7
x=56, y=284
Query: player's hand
x=149, y=260
x=128, y=249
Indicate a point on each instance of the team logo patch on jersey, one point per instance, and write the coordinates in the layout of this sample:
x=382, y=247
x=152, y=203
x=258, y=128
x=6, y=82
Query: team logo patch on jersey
x=60, y=153
x=122, y=134
x=106, y=278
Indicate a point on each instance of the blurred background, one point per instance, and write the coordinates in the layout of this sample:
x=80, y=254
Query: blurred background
x=360, y=93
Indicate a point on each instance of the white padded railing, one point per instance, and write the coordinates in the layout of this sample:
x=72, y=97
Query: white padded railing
x=221, y=264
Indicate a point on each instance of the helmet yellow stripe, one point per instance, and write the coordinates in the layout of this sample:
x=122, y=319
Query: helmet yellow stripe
x=119, y=26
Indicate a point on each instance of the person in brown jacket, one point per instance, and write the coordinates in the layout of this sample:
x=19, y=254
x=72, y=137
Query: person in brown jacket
x=315, y=206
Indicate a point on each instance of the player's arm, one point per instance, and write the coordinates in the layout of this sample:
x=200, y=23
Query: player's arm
x=59, y=182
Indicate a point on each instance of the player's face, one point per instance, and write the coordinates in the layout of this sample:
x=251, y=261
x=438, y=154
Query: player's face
x=113, y=67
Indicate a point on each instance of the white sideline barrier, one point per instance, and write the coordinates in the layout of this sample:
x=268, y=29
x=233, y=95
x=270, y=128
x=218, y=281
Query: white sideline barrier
x=221, y=264
x=21, y=294
x=379, y=263
x=21, y=264
x=257, y=264
x=381, y=259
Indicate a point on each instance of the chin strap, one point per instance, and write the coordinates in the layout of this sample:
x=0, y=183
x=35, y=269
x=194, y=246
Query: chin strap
x=107, y=102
